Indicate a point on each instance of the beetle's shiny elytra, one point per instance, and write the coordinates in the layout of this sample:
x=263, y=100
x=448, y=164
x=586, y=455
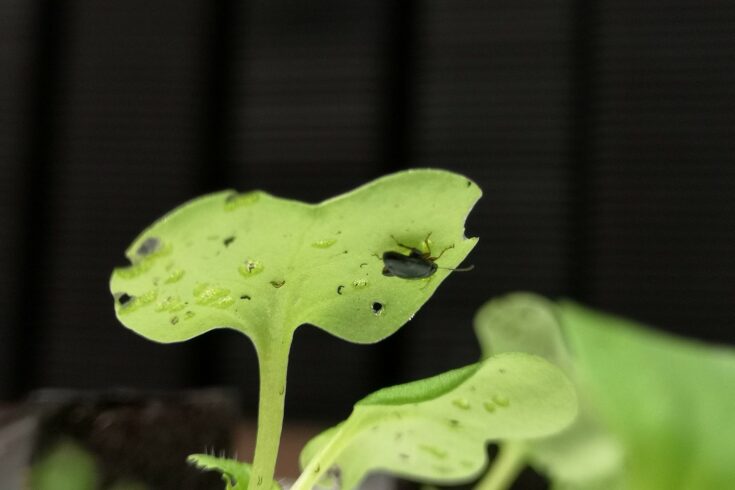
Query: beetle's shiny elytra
x=415, y=265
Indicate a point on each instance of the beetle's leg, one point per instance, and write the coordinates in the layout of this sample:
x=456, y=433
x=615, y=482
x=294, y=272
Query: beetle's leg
x=426, y=244
x=412, y=249
x=439, y=256
x=428, y=281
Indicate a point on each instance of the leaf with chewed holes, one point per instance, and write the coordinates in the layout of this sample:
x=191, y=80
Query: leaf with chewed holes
x=435, y=430
x=265, y=265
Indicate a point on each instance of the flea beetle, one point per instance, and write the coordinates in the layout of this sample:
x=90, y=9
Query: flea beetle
x=415, y=265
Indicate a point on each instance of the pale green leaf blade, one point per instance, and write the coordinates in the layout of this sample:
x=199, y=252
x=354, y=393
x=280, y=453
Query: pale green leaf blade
x=255, y=262
x=586, y=455
x=235, y=474
x=435, y=430
x=670, y=401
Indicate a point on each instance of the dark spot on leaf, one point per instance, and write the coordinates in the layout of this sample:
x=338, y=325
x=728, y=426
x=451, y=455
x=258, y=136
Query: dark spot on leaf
x=377, y=307
x=148, y=246
x=340, y=288
x=125, y=298
x=174, y=320
x=245, y=296
x=454, y=422
x=469, y=183
x=318, y=467
x=501, y=371
x=363, y=264
x=399, y=435
x=227, y=241
x=278, y=284
x=403, y=456
x=346, y=252
x=231, y=197
x=260, y=480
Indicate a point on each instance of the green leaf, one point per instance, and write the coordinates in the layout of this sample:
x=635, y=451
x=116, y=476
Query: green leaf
x=435, y=430
x=654, y=409
x=586, y=455
x=669, y=401
x=265, y=265
x=235, y=474
x=67, y=466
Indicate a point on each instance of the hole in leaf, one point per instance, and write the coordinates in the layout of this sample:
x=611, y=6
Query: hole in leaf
x=124, y=298
x=377, y=308
x=148, y=246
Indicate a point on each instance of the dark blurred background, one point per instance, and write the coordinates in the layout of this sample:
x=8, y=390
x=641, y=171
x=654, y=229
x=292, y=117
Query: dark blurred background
x=602, y=132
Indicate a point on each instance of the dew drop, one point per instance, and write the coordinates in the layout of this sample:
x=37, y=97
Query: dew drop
x=326, y=243
x=250, y=268
x=174, y=320
x=189, y=314
x=501, y=400
x=171, y=303
x=377, y=308
x=174, y=276
x=235, y=201
x=147, y=298
x=462, y=403
x=278, y=283
x=340, y=288
x=433, y=451
x=207, y=295
x=489, y=407
x=359, y=283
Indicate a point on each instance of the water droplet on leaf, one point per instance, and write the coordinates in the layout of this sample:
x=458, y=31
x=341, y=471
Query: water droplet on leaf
x=326, y=243
x=359, y=283
x=235, y=201
x=250, y=268
x=462, y=403
x=501, y=400
x=175, y=276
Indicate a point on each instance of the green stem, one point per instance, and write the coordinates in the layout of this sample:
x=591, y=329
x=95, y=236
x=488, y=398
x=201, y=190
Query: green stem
x=322, y=461
x=508, y=464
x=273, y=366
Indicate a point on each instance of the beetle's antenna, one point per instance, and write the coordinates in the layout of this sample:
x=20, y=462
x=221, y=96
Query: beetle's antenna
x=458, y=269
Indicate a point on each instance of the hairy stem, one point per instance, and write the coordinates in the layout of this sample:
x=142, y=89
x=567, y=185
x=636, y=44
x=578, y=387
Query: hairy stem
x=273, y=366
x=504, y=470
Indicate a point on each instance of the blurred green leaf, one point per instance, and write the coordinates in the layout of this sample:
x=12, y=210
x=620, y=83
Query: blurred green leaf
x=436, y=430
x=66, y=466
x=653, y=411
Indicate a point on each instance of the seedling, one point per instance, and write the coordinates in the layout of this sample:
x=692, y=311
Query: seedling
x=264, y=266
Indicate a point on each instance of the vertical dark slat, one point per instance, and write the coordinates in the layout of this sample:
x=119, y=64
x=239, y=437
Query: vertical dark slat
x=308, y=84
x=663, y=176
x=493, y=89
x=398, y=107
x=128, y=126
x=220, y=24
x=584, y=24
x=18, y=52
